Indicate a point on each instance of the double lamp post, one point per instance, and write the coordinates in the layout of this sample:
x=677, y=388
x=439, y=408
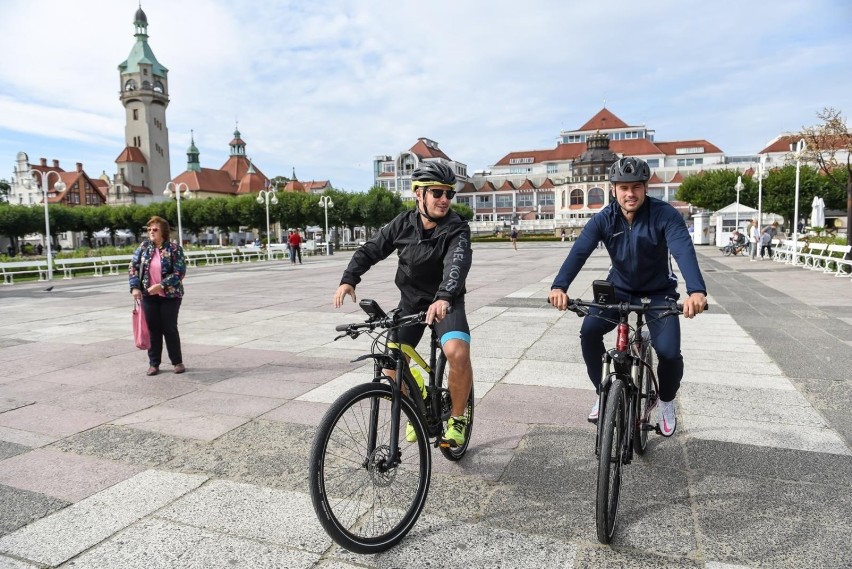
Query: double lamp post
x=59, y=187
x=173, y=191
x=267, y=196
x=325, y=202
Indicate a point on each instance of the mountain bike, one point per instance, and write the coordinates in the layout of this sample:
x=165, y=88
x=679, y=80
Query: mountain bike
x=368, y=476
x=628, y=395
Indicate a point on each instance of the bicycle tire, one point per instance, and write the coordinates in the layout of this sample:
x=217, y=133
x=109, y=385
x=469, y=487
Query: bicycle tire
x=361, y=507
x=647, y=396
x=728, y=250
x=610, y=461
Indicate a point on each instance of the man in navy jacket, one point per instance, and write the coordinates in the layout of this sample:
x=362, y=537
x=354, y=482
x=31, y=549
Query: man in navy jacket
x=641, y=235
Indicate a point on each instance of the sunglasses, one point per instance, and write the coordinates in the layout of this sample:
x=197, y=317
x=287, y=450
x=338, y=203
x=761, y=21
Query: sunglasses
x=154, y=229
x=438, y=194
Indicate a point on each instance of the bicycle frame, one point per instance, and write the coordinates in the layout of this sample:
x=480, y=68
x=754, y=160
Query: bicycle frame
x=625, y=362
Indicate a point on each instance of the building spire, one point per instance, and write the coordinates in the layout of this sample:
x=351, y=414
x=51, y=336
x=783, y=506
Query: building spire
x=193, y=163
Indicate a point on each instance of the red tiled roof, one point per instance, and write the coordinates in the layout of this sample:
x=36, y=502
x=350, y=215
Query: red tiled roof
x=252, y=183
x=467, y=188
x=655, y=179
x=635, y=147
x=507, y=186
x=422, y=150
x=547, y=184
x=206, y=180
x=677, y=178
x=780, y=144
x=603, y=120
x=131, y=154
x=487, y=187
x=294, y=186
x=562, y=152
x=670, y=148
x=316, y=185
x=749, y=172
x=527, y=185
x=237, y=166
x=141, y=190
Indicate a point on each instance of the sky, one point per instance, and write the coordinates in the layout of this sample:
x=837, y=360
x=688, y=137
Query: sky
x=323, y=87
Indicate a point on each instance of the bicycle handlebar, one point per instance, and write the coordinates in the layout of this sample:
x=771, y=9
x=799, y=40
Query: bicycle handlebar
x=387, y=322
x=576, y=304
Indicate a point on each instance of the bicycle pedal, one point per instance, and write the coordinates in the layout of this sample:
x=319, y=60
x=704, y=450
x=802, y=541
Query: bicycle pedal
x=650, y=427
x=448, y=444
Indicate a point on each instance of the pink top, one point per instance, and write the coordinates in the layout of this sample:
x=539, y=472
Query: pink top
x=155, y=270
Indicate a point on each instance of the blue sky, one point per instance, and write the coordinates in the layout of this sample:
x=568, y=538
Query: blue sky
x=325, y=86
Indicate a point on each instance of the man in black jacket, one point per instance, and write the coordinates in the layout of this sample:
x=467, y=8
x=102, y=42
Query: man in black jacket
x=433, y=244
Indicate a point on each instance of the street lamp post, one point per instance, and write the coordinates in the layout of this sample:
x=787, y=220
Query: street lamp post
x=173, y=191
x=761, y=173
x=264, y=196
x=59, y=186
x=799, y=149
x=325, y=201
x=738, y=187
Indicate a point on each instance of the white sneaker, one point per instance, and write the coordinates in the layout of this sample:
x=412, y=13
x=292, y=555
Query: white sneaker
x=593, y=416
x=668, y=420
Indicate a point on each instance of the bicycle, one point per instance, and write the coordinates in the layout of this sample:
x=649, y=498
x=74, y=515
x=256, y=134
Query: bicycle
x=628, y=394
x=734, y=248
x=368, y=481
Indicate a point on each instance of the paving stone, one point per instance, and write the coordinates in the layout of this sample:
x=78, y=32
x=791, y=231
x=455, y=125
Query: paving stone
x=128, y=445
x=21, y=507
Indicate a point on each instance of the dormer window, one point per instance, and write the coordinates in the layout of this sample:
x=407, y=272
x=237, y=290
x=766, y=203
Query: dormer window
x=130, y=85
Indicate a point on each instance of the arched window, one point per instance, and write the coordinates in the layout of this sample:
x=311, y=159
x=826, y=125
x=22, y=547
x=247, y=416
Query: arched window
x=596, y=198
x=158, y=87
x=576, y=199
x=564, y=199
x=130, y=85
x=146, y=84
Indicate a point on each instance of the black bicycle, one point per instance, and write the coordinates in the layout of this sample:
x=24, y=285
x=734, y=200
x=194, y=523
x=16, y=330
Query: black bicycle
x=370, y=462
x=628, y=394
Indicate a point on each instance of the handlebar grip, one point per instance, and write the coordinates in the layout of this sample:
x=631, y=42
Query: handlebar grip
x=342, y=327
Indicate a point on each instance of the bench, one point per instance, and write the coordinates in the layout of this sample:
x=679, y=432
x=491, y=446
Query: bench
x=813, y=257
x=219, y=256
x=280, y=249
x=249, y=253
x=837, y=260
x=12, y=268
x=116, y=262
x=192, y=257
x=68, y=266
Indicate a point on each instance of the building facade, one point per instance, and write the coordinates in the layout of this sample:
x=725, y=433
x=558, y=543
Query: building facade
x=394, y=172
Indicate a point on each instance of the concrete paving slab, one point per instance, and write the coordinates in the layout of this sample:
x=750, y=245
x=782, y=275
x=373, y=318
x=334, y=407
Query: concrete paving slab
x=298, y=412
x=51, y=420
x=550, y=374
x=21, y=507
x=329, y=392
x=127, y=445
x=26, y=438
x=68, y=532
x=63, y=475
x=209, y=401
x=190, y=424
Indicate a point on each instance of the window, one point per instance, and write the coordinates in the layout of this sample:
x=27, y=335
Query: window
x=130, y=85
x=525, y=200
x=503, y=200
x=653, y=162
x=519, y=170
x=463, y=200
x=387, y=167
x=596, y=197
x=690, y=150
x=136, y=114
x=576, y=198
x=545, y=199
x=552, y=168
x=158, y=87
x=527, y=160
x=690, y=161
x=483, y=201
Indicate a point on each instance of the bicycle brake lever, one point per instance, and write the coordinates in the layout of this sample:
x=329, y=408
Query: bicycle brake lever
x=341, y=336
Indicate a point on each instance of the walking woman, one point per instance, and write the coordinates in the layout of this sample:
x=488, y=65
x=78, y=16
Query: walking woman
x=156, y=278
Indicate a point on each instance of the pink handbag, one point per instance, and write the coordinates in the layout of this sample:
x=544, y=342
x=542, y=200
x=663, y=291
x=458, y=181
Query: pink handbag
x=140, y=328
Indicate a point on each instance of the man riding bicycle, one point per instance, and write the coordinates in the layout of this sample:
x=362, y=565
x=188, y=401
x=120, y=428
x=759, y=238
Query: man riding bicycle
x=433, y=244
x=641, y=234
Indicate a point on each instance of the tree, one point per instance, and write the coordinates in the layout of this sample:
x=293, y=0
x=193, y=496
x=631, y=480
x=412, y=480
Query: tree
x=715, y=189
x=827, y=143
x=17, y=221
x=5, y=188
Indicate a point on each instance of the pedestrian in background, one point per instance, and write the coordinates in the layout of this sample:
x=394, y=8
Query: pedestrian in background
x=156, y=280
x=295, y=242
x=514, y=237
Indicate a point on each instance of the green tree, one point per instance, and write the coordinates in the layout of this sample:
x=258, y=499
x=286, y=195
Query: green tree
x=18, y=221
x=715, y=189
x=779, y=191
x=380, y=206
x=827, y=143
x=5, y=188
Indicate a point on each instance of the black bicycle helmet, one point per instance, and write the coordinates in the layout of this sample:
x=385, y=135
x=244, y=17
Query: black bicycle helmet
x=629, y=169
x=433, y=173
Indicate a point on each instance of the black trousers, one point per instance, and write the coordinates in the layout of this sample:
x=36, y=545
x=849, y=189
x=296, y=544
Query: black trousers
x=295, y=250
x=161, y=314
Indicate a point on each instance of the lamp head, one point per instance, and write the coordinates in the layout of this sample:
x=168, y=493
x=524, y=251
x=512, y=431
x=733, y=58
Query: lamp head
x=274, y=200
x=167, y=192
x=187, y=194
x=59, y=186
x=259, y=200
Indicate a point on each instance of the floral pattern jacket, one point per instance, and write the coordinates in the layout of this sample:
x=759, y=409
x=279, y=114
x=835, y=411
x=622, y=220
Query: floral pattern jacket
x=172, y=262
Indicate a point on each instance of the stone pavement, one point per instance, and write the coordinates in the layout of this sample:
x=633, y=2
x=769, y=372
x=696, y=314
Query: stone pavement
x=101, y=466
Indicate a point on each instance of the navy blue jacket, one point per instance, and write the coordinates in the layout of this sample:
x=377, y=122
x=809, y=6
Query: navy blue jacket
x=640, y=253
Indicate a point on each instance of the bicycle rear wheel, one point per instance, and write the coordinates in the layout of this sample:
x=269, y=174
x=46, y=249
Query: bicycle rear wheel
x=647, y=396
x=361, y=503
x=612, y=449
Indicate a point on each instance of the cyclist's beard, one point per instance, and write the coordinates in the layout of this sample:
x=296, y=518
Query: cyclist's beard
x=425, y=212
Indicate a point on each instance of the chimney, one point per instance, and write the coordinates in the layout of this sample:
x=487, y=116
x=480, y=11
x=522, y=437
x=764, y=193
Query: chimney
x=56, y=163
x=43, y=161
x=79, y=166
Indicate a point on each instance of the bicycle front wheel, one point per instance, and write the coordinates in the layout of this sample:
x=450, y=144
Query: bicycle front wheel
x=364, y=504
x=647, y=397
x=612, y=449
x=728, y=250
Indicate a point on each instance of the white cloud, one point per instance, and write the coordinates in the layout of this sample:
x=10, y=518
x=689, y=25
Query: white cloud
x=325, y=86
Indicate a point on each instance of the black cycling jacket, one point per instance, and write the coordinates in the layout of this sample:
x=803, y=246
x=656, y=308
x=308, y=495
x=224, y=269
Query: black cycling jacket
x=640, y=253
x=429, y=268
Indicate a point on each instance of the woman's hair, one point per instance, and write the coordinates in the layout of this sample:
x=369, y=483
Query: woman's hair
x=162, y=224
